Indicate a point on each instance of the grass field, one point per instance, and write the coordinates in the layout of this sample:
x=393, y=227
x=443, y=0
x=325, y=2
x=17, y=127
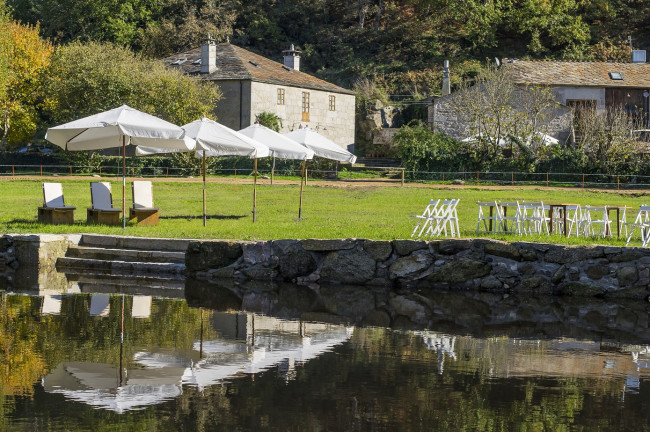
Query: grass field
x=374, y=212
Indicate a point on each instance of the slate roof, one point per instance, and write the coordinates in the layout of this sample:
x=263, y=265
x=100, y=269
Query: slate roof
x=235, y=63
x=578, y=74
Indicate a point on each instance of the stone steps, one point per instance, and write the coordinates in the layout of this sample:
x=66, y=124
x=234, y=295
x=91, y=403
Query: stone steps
x=132, y=255
x=119, y=264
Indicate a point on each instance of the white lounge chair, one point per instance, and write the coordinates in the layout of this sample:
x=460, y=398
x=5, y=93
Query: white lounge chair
x=143, y=210
x=54, y=210
x=102, y=210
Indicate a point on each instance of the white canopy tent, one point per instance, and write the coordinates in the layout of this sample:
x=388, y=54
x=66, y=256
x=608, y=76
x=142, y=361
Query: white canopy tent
x=321, y=145
x=119, y=127
x=215, y=139
x=281, y=147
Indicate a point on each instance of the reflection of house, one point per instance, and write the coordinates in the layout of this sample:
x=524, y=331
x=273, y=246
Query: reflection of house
x=252, y=84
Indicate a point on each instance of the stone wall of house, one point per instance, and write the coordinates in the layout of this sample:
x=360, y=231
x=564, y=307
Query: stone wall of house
x=234, y=108
x=451, y=264
x=443, y=117
x=337, y=124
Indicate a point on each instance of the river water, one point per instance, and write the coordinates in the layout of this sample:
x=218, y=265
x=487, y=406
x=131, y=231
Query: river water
x=92, y=361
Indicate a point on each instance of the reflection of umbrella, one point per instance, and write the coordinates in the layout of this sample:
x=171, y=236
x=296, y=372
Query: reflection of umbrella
x=281, y=147
x=118, y=127
x=214, y=139
x=100, y=305
x=51, y=305
x=141, y=307
x=97, y=384
x=322, y=147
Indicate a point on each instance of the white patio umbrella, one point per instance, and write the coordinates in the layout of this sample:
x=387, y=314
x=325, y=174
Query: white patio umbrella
x=281, y=147
x=321, y=146
x=119, y=127
x=215, y=139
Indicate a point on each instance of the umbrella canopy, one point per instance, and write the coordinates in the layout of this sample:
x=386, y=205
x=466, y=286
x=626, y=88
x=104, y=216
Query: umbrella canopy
x=107, y=129
x=320, y=145
x=279, y=145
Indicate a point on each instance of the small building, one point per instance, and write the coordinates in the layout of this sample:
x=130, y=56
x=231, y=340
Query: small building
x=575, y=84
x=252, y=84
x=600, y=85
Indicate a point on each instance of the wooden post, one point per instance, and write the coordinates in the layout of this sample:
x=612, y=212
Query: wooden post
x=255, y=192
x=272, y=169
x=478, y=179
x=235, y=172
x=41, y=170
x=583, y=180
x=306, y=174
x=70, y=170
x=402, y=177
x=167, y=175
x=13, y=172
x=443, y=177
x=546, y=178
x=100, y=170
x=302, y=175
x=205, y=216
x=618, y=184
x=512, y=178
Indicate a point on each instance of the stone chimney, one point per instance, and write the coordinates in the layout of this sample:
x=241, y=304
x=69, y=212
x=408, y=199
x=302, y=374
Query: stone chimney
x=446, y=84
x=292, y=58
x=208, y=55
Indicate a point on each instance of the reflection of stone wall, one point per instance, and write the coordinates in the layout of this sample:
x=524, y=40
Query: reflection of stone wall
x=467, y=265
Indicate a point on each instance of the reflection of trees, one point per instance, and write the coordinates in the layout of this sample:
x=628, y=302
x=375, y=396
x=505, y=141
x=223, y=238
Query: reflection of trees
x=381, y=379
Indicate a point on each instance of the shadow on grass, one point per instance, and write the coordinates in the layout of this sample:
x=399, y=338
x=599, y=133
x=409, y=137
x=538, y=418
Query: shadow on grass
x=201, y=217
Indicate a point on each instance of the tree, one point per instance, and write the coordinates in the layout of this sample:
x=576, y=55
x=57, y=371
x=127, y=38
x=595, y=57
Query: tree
x=22, y=68
x=93, y=77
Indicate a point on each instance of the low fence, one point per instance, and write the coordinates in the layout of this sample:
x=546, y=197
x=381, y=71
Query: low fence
x=352, y=173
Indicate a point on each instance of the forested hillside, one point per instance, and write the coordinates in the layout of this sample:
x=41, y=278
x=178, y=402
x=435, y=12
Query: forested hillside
x=399, y=44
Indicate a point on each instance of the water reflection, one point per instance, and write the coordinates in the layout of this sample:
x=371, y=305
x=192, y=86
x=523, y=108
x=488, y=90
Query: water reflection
x=86, y=362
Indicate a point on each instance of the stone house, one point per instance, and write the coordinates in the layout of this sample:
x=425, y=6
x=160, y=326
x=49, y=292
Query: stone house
x=252, y=84
x=600, y=85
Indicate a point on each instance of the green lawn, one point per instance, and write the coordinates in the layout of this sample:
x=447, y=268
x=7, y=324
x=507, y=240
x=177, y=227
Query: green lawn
x=380, y=212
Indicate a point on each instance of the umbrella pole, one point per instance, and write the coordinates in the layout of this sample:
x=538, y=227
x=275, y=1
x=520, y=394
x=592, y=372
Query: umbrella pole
x=123, y=181
x=121, y=342
x=272, y=169
x=302, y=176
x=255, y=193
x=205, y=217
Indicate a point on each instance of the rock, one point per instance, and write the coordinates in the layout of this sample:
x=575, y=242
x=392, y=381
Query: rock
x=572, y=254
x=526, y=269
x=577, y=289
x=410, y=265
x=626, y=319
x=405, y=247
x=460, y=270
x=293, y=260
x=535, y=284
x=348, y=268
x=559, y=274
x=502, y=249
x=211, y=254
x=221, y=273
x=595, y=319
x=327, y=245
x=415, y=311
x=256, y=253
x=351, y=302
x=626, y=257
x=260, y=273
x=453, y=246
x=627, y=275
x=457, y=182
x=379, y=250
x=597, y=271
x=491, y=284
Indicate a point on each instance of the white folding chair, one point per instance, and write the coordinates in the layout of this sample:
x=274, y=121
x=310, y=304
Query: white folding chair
x=446, y=215
x=534, y=218
x=642, y=223
x=574, y=220
x=425, y=219
x=596, y=221
x=488, y=216
x=510, y=217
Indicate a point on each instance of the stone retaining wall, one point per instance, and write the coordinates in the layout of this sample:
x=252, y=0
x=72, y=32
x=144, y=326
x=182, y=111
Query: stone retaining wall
x=450, y=264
